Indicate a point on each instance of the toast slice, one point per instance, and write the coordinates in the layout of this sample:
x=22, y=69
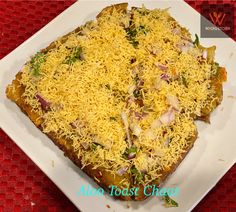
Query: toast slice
x=132, y=168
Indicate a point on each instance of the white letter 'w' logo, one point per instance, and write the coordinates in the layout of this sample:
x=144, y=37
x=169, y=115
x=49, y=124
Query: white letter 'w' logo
x=217, y=18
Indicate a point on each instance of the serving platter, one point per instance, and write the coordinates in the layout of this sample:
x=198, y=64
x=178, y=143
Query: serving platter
x=211, y=157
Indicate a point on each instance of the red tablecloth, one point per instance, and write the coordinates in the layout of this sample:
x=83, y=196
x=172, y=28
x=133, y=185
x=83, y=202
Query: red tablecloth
x=23, y=186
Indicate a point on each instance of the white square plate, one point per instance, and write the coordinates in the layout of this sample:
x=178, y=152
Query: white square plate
x=214, y=151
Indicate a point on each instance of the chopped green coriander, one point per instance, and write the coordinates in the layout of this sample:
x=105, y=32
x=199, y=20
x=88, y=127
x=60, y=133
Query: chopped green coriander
x=95, y=145
x=130, y=153
x=143, y=29
x=196, y=41
x=76, y=55
x=184, y=81
x=113, y=118
x=132, y=33
x=36, y=62
x=138, y=176
x=169, y=202
x=108, y=86
x=132, y=149
x=137, y=93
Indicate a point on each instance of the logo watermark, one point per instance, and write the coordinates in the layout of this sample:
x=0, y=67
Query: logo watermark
x=217, y=20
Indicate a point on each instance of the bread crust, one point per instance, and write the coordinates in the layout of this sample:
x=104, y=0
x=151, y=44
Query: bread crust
x=122, y=7
x=102, y=177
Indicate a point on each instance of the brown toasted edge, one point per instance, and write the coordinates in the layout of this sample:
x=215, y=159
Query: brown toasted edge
x=61, y=39
x=122, y=7
x=217, y=86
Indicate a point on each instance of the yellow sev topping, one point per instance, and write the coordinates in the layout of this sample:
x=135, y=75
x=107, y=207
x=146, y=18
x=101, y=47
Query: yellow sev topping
x=87, y=94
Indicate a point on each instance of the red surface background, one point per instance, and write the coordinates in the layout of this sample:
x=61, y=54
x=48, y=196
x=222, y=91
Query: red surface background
x=23, y=186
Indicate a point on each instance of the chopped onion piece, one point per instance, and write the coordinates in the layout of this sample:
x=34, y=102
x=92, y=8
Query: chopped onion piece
x=168, y=117
x=204, y=54
x=165, y=77
x=73, y=125
x=198, y=112
x=150, y=160
x=173, y=101
x=138, y=115
x=85, y=145
x=44, y=103
x=77, y=124
x=189, y=40
x=135, y=70
x=161, y=66
x=159, y=152
x=167, y=142
x=126, y=124
x=81, y=56
x=156, y=124
x=125, y=22
x=158, y=83
x=150, y=134
x=131, y=155
x=186, y=46
x=153, y=49
x=129, y=101
x=136, y=129
x=176, y=31
x=122, y=170
x=131, y=89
